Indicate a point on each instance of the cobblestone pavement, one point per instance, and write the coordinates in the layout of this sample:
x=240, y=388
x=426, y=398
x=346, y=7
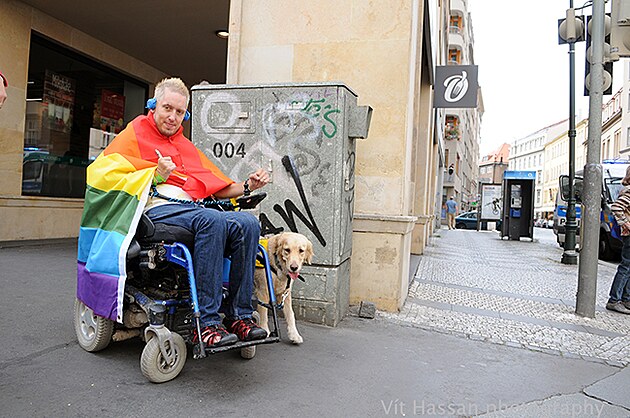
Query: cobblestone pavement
x=515, y=293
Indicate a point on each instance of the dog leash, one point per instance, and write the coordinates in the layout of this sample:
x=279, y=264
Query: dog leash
x=221, y=205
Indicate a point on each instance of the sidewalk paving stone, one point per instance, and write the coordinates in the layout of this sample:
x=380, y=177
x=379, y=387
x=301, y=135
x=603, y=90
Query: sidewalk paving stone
x=573, y=405
x=613, y=389
x=514, y=293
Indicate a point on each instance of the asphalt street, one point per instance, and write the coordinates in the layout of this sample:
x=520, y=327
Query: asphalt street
x=362, y=368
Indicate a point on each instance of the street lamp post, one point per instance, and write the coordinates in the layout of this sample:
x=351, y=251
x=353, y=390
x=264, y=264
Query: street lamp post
x=569, y=256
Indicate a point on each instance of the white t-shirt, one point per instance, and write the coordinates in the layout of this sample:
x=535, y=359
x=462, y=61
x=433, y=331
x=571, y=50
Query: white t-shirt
x=167, y=190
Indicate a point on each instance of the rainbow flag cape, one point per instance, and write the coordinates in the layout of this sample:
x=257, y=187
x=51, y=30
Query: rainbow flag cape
x=118, y=184
x=115, y=197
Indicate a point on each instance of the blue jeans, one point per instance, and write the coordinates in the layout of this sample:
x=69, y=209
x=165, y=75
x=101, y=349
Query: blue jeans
x=218, y=234
x=620, y=289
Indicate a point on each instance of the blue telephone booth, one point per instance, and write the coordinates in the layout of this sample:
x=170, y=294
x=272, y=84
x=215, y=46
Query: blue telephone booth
x=518, y=204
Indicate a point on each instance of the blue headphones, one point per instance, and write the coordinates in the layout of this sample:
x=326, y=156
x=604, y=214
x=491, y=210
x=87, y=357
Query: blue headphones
x=152, y=102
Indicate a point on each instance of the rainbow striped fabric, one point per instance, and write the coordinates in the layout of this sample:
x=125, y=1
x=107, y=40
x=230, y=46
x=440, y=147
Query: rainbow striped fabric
x=118, y=184
x=116, y=195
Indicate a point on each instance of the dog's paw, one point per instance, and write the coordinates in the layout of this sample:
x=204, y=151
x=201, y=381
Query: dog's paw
x=295, y=338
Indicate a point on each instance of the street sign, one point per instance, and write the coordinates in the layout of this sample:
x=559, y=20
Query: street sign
x=456, y=86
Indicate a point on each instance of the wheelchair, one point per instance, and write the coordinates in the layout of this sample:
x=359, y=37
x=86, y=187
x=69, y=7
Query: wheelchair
x=160, y=300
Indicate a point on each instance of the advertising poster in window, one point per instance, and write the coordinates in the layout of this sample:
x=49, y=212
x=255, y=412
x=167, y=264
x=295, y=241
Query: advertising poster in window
x=58, y=99
x=491, y=202
x=112, y=111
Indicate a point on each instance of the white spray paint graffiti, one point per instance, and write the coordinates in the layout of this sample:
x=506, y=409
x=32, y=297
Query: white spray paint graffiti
x=300, y=126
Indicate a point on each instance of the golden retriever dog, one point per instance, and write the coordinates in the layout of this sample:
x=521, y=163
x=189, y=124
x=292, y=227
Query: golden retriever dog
x=287, y=252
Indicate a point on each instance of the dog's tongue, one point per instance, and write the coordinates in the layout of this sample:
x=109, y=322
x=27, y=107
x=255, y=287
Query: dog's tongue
x=293, y=275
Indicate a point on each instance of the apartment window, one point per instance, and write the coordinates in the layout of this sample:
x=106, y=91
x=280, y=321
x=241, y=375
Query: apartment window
x=455, y=24
x=457, y=166
x=452, y=120
x=454, y=56
x=617, y=143
x=74, y=107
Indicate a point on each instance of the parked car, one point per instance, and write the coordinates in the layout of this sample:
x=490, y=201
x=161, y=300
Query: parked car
x=467, y=220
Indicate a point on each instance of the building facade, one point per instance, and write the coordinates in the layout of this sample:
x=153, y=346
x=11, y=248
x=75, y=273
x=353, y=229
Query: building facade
x=556, y=163
x=611, y=127
x=462, y=126
x=556, y=151
x=624, y=148
x=527, y=154
x=493, y=165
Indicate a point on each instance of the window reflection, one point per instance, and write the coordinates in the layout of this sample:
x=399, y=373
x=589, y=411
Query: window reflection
x=75, y=107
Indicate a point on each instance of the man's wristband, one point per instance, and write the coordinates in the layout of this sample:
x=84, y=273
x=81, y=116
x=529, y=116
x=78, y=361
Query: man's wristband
x=157, y=178
x=246, y=189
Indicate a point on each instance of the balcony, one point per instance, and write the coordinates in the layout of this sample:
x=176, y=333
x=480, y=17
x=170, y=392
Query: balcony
x=459, y=6
x=451, y=132
x=456, y=40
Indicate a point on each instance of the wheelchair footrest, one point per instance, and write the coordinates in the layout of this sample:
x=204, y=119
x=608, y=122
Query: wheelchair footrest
x=237, y=345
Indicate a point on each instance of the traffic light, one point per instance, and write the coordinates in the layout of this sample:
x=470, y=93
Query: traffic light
x=608, y=65
x=620, y=28
x=571, y=29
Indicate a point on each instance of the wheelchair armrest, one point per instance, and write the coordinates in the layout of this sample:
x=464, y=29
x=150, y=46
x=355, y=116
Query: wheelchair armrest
x=251, y=201
x=222, y=205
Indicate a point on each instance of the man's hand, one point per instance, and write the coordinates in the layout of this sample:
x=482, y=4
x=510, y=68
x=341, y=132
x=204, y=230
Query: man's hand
x=258, y=179
x=625, y=229
x=165, y=167
x=255, y=181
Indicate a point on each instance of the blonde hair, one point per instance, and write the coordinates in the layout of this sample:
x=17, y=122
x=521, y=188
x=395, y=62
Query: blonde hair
x=174, y=84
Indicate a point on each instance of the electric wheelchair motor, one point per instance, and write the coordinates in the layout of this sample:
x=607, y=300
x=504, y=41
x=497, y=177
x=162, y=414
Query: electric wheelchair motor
x=160, y=303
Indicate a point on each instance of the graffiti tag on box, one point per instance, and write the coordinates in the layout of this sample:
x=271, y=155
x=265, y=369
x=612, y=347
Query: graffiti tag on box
x=295, y=128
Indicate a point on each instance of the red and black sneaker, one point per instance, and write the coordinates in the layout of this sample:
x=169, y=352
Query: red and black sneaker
x=246, y=329
x=215, y=336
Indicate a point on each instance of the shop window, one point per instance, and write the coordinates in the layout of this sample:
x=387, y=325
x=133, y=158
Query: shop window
x=74, y=107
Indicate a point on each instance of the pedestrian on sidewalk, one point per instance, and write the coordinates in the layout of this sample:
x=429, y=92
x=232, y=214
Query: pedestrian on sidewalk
x=619, y=300
x=451, y=212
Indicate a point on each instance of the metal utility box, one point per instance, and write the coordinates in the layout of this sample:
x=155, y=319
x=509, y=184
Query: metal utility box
x=518, y=204
x=303, y=135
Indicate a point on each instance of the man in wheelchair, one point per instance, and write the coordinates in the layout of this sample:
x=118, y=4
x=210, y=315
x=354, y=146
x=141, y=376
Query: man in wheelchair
x=151, y=168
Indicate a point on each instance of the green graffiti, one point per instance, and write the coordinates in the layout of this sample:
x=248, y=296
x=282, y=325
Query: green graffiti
x=314, y=109
x=332, y=122
x=313, y=105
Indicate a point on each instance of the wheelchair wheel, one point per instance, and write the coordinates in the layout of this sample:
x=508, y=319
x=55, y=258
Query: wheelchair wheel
x=153, y=365
x=93, y=332
x=250, y=352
